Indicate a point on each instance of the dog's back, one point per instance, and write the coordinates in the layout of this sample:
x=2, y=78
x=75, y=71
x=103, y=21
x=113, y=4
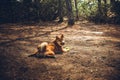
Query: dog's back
x=50, y=49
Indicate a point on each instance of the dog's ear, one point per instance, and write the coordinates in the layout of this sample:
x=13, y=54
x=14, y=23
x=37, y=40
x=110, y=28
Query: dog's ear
x=62, y=36
x=57, y=37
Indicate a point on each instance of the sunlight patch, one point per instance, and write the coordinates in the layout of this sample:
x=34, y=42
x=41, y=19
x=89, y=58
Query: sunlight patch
x=97, y=32
x=93, y=32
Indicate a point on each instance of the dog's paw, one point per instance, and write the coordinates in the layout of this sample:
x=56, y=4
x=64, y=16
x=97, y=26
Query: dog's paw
x=66, y=49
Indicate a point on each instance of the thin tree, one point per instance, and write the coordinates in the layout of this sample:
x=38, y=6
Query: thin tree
x=60, y=11
x=69, y=12
x=77, y=17
x=105, y=8
x=112, y=2
x=99, y=7
x=37, y=6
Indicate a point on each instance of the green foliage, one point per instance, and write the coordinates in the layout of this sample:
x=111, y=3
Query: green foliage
x=49, y=10
x=102, y=15
x=86, y=8
x=106, y=14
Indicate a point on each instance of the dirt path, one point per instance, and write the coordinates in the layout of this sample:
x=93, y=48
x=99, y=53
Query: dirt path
x=94, y=52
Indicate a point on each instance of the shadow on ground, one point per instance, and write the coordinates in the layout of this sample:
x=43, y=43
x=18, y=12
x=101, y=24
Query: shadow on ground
x=94, y=52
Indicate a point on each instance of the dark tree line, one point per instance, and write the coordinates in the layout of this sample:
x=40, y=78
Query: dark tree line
x=33, y=10
x=13, y=10
x=48, y=10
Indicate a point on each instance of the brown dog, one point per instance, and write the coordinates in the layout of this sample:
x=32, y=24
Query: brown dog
x=50, y=49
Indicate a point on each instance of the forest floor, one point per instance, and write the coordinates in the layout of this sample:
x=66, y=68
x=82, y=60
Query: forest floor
x=94, y=52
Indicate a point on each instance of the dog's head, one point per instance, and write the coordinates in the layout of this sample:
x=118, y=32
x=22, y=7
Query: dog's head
x=59, y=40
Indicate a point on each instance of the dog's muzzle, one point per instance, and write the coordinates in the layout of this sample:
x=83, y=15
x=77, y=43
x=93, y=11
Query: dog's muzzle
x=63, y=42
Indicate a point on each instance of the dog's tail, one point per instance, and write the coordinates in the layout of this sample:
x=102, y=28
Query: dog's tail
x=42, y=47
x=40, y=50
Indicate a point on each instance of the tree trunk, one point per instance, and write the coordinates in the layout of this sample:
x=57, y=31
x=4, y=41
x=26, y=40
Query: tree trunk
x=37, y=6
x=112, y=2
x=105, y=8
x=99, y=7
x=60, y=7
x=69, y=12
x=26, y=8
x=77, y=17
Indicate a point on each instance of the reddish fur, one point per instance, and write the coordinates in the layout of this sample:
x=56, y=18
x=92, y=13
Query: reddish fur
x=53, y=48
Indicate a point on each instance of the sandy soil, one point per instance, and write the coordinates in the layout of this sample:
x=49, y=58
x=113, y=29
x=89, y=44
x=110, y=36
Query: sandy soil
x=94, y=52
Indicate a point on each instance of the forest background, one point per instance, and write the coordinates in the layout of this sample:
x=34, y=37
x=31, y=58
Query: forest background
x=105, y=11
